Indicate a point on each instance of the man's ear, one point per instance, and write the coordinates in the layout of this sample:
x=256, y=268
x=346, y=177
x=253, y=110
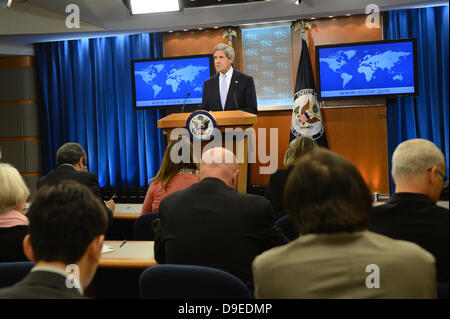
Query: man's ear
x=79, y=165
x=95, y=248
x=27, y=249
x=433, y=176
x=234, y=180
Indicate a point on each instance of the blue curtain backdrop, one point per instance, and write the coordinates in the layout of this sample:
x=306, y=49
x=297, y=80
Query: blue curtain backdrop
x=86, y=97
x=426, y=115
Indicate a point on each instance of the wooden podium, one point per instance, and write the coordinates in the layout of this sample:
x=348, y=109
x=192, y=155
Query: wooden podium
x=224, y=120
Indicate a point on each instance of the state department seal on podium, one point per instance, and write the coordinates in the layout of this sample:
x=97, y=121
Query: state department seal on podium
x=201, y=125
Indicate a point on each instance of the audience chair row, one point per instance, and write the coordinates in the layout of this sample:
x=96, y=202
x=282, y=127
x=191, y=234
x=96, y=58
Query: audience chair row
x=144, y=227
x=161, y=281
x=174, y=282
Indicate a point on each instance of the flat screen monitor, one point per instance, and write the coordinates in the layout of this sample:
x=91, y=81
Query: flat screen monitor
x=170, y=82
x=367, y=69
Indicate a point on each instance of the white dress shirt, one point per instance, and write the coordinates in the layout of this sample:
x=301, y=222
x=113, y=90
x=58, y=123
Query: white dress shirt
x=228, y=78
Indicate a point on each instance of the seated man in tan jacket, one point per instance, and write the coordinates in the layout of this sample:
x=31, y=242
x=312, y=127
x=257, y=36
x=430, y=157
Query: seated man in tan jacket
x=335, y=256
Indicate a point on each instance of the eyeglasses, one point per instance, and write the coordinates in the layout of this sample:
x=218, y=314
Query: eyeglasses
x=444, y=177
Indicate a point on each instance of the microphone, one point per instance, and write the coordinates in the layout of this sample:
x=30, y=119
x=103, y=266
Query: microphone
x=184, y=103
x=235, y=102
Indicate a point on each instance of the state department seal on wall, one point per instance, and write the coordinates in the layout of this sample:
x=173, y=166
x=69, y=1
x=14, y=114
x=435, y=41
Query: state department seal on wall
x=201, y=125
x=306, y=117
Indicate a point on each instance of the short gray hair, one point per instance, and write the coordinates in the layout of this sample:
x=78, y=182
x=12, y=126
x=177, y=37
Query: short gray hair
x=414, y=157
x=13, y=190
x=229, y=51
x=70, y=153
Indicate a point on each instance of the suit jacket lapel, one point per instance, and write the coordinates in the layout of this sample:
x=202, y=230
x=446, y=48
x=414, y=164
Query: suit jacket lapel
x=215, y=84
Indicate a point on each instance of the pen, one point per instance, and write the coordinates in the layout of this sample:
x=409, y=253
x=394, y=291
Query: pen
x=112, y=197
x=123, y=243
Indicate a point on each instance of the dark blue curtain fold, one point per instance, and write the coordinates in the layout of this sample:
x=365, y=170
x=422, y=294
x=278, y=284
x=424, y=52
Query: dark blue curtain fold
x=426, y=115
x=86, y=97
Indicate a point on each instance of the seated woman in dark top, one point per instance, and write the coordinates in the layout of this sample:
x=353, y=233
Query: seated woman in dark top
x=298, y=148
x=13, y=222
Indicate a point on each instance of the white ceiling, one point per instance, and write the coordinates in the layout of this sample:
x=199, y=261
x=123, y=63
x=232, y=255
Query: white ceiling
x=29, y=21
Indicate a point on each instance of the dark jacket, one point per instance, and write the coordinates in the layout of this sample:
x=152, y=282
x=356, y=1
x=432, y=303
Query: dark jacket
x=11, y=243
x=275, y=189
x=41, y=285
x=68, y=172
x=415, y=218
x=241, y=94
x=211, y=224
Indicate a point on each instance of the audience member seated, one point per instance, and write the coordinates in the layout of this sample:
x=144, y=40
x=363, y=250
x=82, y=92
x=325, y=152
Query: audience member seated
x=172, y=176
x=72, y=165
x=298, y=148
x=335, y=256
x=67, y=227
x=13, y=222
x=211, y=224
x=418, y=171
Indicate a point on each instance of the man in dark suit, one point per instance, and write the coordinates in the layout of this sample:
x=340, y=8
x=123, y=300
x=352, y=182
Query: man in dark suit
x=211, y=224
x=72, y=160
x=67, y=227
x=411, y=214
x=229, y=89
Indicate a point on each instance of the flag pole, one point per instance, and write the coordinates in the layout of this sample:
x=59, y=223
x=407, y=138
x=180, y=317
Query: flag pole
x=306, y=113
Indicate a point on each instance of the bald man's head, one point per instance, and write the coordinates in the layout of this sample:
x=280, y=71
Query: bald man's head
x=220, y=163
x=418, y=166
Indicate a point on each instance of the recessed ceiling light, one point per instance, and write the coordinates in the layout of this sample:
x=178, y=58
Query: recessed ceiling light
x=153, y=6
x=313, y=18
x=185, y=30
x=216, y=27
x=348, y=14
x=330, y=16
x=200, y=28
x=170, y=31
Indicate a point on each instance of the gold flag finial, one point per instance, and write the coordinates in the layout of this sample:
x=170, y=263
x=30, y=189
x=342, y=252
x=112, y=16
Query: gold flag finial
x=303, y=26
x=230, y=34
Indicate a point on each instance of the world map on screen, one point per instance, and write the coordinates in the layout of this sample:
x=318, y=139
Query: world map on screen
x=367, y=67
x=170, y=81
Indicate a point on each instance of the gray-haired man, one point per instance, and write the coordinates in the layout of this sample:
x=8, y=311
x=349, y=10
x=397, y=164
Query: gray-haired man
x=229, y=89
x=418, y=171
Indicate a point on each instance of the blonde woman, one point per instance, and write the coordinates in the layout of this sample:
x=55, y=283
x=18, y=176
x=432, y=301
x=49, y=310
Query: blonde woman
x=172, y=176
x=13, y=222
x=298, y=148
